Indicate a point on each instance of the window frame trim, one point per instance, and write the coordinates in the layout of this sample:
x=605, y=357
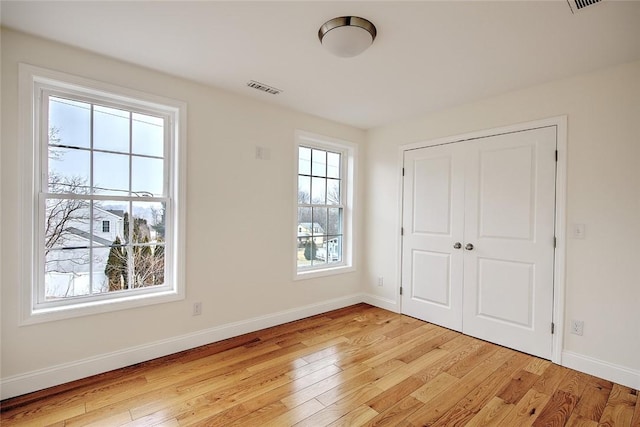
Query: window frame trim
x=348, y=151
x=33, y=81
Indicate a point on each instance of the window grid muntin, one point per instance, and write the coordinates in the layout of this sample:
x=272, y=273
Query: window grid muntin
x=313, y=264
x=44, y=98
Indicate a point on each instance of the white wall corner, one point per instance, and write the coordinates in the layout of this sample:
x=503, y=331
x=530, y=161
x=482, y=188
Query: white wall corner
x=380, y=302
x=599, y=368
x=55, y=375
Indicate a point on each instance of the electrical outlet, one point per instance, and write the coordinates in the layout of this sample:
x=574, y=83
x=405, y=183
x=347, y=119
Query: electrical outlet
x=380, y=280
x=197, y=308
x=577, y=327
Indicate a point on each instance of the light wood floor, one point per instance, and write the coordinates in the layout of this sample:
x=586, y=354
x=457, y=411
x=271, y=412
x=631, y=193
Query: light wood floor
x=355, y=366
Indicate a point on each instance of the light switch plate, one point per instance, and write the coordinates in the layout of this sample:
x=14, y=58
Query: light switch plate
x=578, y=231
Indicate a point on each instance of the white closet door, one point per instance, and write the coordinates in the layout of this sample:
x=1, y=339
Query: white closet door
x=509, y=220
x=496, y=197
x=433, y=221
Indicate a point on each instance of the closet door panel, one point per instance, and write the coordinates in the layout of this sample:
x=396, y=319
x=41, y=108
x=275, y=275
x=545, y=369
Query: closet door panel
x=433, y=221
x=509, y=220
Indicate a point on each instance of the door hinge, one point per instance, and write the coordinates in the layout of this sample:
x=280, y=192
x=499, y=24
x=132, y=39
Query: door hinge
x=402, y=231
x=553, y=328
x=402, y=171
x=556, y=155
x=400, y=290
x=555, y=242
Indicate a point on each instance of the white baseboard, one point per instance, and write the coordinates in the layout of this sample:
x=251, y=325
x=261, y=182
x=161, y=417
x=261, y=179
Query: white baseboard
x=43, y=378
x=380, y=302
x=609, y=371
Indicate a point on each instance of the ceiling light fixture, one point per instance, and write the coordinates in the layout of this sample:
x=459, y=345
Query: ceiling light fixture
x=347, y=36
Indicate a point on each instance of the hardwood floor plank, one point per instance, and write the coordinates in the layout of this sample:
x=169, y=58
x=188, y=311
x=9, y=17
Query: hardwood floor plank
x=398, y=346
x=357, y=417
x=593, y=401
x=527, y=409
x=389, y=397
x=273, y=383
x=225, y=401
x=550, y=379
x=575, y=383
x=425, y=362
x=481, y=395
x=295, y=415
x=432, y=344
x=492, y=414
x=577, y=420
x=456, y=416
x=620, y=406
x=537, y=366
x=168, y=423
x=458, y=349
x=433, y=388
x=360, y=365
x=224, y=392
x=467, y=407
x=557, y=411
x=148, y=402
x=298, y=354
x=153, y=396
x=43, y=418
x=403, y=328
x=300, y=395
x=328, y=351
x=80, y=396
x=380, y=343
x=438, y=406
x=347, y=387
x=340, y=408
x=635, y=421
x=104, y=416
x=168, y=410
x=397, y=413
x=254, y=417
x=465, y=365
x=210, y=362
x=518, y=386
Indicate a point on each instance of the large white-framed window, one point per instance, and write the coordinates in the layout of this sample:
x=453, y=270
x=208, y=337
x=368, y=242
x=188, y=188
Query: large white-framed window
x=325, y=188
x=104, y=195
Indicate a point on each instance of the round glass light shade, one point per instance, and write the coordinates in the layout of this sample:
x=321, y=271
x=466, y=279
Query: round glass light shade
x=347, y=36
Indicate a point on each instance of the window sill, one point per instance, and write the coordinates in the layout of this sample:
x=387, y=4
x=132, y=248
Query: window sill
x=50, y=314
x=330, y=271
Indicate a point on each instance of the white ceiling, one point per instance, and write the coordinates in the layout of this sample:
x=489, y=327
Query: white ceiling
x=428, y=55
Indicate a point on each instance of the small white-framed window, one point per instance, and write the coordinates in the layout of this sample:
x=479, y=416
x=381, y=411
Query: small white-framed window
x=325, y=186
x=104, y=196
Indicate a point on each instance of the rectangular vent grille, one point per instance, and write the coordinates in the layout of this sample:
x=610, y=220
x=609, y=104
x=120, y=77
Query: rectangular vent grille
x=581, y=4
x=263, y=87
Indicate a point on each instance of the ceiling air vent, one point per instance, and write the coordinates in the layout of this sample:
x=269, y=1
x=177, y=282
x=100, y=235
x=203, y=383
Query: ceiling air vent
x=577, y=5
x=263, y=87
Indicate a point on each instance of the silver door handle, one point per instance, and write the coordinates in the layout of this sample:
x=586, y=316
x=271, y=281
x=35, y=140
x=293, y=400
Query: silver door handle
x=469, y=247
x=457, y=245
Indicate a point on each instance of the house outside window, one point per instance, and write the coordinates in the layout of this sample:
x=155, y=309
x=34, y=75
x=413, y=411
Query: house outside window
x=107, y=207
x=324, y=210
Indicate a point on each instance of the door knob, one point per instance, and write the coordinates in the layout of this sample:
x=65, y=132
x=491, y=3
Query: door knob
x=469, y=247
x=457, y=245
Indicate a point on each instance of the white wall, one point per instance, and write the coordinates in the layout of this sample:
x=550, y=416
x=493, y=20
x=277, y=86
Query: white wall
x=603, y=192
x=239, y=228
